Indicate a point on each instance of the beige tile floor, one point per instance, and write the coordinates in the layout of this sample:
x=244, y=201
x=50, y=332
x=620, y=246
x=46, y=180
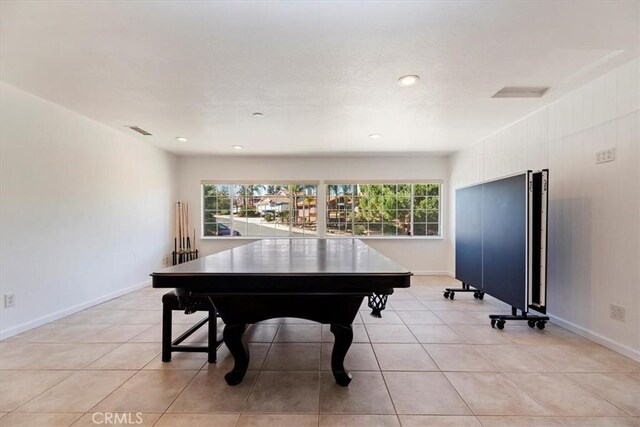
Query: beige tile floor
x=427, y=362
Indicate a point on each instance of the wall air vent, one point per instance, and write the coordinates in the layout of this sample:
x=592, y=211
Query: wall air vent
x=139, y=130
x=521, y=92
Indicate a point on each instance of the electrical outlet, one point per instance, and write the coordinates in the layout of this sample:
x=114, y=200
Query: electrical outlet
x=604, y=156
x=617, y=312
x=9, y=300
x=165, y=260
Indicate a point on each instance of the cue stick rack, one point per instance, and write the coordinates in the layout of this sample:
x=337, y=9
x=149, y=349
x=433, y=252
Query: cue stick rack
x=184, y=247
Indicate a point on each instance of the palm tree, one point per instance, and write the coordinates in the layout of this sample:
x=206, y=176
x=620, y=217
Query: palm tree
x=341, y=192
x=307, y=196
x=252, y=190
x=306, y=201
x=274, y=189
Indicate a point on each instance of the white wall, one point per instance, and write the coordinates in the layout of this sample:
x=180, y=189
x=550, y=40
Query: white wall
x=84, y=213
x=594, y=213
x=420, y=256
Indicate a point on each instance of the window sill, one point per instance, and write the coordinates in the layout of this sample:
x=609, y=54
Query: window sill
x=408, y=238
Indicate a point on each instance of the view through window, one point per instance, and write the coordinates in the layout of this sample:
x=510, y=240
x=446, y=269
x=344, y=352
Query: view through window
x=259, y=210
x=383, y=210
x=352, y=210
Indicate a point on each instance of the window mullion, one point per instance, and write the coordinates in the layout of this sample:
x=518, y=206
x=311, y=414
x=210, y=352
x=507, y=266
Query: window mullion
x=292, y=210
x=232, y=197
x=411, y=212
x=353, y=209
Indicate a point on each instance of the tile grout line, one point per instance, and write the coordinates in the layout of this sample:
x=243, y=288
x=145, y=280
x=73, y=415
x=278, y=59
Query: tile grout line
x=384, y=380
x=40, y=394
x=441, y=372
x=595, y=391
x=135, y=372
x=625, y=374
x=259, y=370
x=179, y=394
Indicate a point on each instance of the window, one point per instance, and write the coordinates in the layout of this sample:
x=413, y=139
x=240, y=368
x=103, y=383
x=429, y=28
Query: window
x=383, y=210
x=259, y=210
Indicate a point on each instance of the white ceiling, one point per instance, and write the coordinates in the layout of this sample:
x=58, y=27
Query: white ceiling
x=323, y=73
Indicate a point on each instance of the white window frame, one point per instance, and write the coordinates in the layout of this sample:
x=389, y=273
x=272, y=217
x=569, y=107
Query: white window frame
x=394, y=182
x=232, y=194
x=321, y=208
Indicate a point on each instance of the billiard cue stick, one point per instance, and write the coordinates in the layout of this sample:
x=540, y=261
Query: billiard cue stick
x=175, y=225
x=180, y=225
x=179, y=216
x=186, y=231
x=186, y=228
x=174, y=255
x=188, y=248
x=175, y=233
x=184, y=234
x=192, y=242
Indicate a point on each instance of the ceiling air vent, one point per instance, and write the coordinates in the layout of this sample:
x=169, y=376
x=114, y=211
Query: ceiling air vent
x=521, y=92
x=139, y=130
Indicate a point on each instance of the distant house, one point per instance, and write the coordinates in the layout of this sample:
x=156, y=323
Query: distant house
x=276, y=202
x=338, y=206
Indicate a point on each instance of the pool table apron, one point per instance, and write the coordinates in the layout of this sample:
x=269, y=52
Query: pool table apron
x=240, y=310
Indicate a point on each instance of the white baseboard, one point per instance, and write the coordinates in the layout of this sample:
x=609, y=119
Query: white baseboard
x=593, y=336
x=432, y=273
x=6, y=333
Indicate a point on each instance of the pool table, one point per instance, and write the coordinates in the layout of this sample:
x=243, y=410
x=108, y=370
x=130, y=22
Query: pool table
x=323, y=280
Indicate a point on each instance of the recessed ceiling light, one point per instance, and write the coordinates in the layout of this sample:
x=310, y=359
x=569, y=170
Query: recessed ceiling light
x=181, y=139
x=408, y=80
x=375, y=136
x=258, y=115
x=237, y=147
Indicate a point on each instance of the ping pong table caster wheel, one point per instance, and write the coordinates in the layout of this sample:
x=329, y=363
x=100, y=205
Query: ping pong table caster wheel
x=480, y=295
x=531, y=323
x=493, y=323
x=451, y=295
x=500, y=324
x=446, y=294
x=541, y=324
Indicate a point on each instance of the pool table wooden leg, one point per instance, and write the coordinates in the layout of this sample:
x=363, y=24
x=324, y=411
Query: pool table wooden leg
x=238, y=348
x=343, y=337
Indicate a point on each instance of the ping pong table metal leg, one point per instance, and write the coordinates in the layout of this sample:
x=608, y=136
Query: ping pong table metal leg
x=238, y=348
x=343, y=337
